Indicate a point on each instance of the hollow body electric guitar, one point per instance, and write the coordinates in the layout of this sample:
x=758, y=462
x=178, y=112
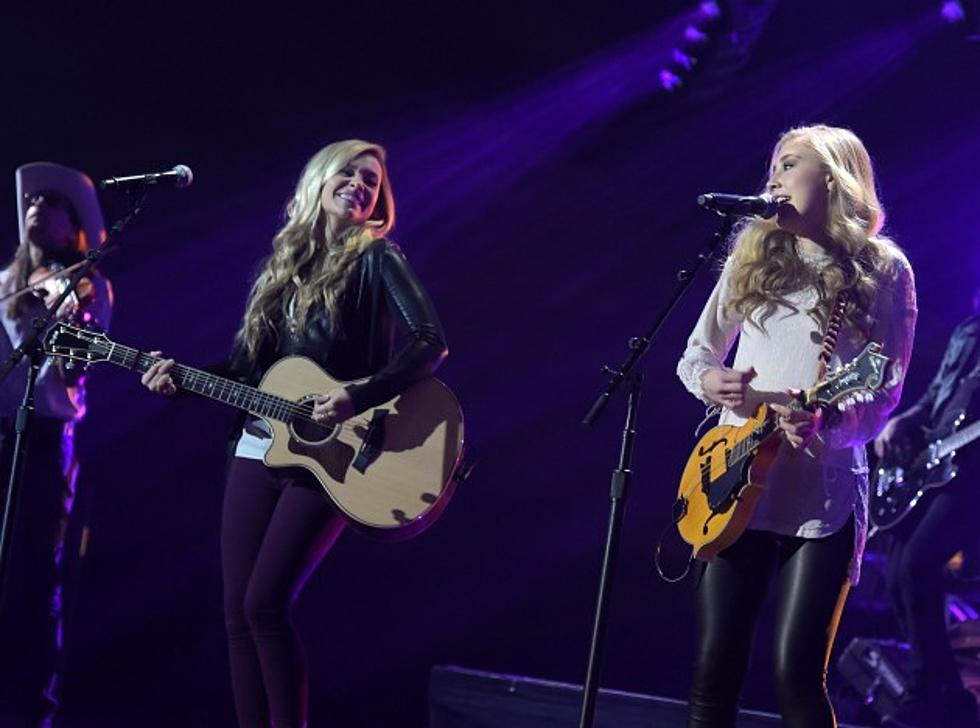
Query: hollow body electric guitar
x=897, y=488
x=389, y=470
x=725, y=475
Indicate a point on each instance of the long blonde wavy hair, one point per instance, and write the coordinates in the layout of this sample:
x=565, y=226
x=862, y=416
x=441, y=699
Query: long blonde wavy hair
x=307, y=266
x=767, y=266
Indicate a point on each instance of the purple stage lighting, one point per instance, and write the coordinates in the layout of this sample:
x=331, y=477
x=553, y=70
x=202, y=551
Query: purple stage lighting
x=670, y=81
x=952, y=11
x=965, y=13
x=692, y=45
x=683, y=60
x=709, y=10
x=694, y=36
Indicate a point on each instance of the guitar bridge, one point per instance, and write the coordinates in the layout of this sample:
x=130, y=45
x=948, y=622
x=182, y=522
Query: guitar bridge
x=706, y=474
x=373, y=444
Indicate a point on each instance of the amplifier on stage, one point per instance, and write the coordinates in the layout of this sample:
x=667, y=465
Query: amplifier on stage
x=877, y=670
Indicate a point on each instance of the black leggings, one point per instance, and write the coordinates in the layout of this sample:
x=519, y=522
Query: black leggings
x=276, y=527
x=813, y=585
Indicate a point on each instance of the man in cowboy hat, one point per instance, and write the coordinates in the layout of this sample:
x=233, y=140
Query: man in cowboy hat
x=59, y=219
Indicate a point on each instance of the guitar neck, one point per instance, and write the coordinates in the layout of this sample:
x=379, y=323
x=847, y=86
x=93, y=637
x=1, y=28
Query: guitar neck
x=959, y=439
x=767, y=428
x=762, y=432
x=207, y=385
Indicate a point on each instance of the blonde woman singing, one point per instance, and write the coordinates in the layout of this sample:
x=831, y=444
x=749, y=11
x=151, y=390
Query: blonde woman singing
x=337, y=290
x=775, y=295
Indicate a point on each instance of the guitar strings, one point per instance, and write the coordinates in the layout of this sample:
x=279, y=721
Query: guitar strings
x=272, y=405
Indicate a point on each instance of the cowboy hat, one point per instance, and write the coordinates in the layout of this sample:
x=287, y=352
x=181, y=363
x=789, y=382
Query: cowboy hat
x=74, y=185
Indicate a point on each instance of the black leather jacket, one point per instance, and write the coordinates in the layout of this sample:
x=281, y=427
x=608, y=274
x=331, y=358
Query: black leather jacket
x=383, y=301
x=952, y=389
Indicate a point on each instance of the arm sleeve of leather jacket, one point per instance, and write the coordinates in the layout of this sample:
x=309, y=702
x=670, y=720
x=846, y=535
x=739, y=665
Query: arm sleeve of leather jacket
x=417, y=321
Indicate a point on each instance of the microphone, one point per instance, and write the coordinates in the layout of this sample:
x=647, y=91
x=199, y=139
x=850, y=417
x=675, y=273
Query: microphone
x=762, y=205
x=179, y=177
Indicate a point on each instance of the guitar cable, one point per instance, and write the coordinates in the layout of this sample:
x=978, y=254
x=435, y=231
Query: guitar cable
x=656, y=555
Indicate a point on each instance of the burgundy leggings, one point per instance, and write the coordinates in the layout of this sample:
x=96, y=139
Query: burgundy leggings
x=276, y=526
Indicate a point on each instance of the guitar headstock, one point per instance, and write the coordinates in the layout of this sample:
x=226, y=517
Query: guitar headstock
x=70, y=342
x=864, y=373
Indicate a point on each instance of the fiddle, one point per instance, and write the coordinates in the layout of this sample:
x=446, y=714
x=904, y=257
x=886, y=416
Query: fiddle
x=48, y=282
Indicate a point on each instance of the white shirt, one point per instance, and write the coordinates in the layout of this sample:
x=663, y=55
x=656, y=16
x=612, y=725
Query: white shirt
x=808, y=494
x=254, y=446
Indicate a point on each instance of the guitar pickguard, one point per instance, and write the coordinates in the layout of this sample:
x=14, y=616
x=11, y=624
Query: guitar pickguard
x=723, y=492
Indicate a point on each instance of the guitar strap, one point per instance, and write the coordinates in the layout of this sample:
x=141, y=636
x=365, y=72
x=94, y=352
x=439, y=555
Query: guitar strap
x=827, y=350
x=833, y=332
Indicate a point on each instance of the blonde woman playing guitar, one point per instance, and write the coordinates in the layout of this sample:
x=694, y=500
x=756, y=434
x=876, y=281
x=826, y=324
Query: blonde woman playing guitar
x=775, y=296
x=335, y=290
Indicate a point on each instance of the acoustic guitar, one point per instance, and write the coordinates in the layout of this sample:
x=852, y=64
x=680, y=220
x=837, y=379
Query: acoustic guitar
x=389, y=470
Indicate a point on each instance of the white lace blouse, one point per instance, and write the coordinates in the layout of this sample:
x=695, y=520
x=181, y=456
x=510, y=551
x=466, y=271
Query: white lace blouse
x=809, y=494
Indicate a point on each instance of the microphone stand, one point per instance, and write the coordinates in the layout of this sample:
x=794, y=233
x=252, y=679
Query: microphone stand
x=623, y=473
x=31, y=347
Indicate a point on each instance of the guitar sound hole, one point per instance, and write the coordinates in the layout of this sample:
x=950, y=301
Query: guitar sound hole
x=306, y=430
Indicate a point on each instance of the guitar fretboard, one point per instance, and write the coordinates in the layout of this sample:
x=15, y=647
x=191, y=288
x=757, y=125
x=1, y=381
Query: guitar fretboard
x=959, y=439
x=212, y=386
x=747, y=445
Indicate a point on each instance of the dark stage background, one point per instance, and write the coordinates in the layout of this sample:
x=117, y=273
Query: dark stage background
x=546, y=187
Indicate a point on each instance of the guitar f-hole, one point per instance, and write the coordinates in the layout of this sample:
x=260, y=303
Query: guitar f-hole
x=702, y=451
